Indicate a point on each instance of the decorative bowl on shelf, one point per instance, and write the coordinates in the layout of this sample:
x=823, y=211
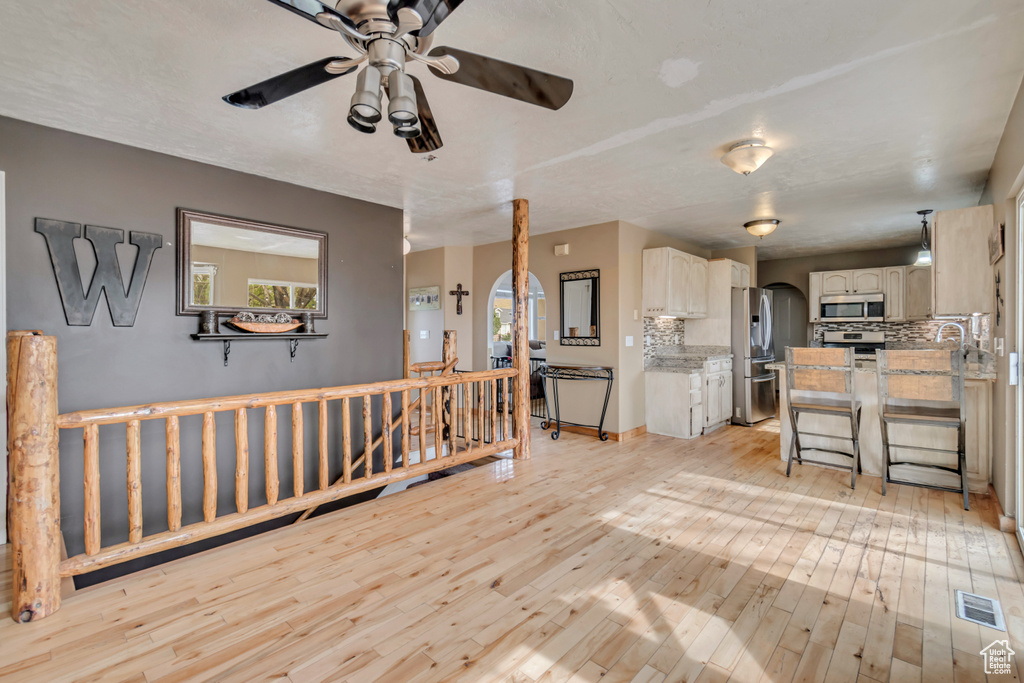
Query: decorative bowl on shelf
x=264, y=323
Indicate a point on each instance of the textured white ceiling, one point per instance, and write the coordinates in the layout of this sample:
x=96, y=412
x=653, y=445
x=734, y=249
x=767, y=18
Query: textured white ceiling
x=876, y=109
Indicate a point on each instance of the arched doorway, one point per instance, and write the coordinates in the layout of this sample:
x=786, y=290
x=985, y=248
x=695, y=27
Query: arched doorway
x=789, y=318
x=499, y=316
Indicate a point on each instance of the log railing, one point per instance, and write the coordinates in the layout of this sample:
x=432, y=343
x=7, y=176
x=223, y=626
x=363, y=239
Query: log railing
x=33, y=440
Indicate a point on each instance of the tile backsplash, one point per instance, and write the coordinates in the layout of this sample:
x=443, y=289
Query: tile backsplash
x=979, y=330
x=659, y=332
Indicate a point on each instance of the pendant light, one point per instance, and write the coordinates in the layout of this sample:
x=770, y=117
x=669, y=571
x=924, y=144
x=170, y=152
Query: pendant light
x=762, y=226
x=924, y=257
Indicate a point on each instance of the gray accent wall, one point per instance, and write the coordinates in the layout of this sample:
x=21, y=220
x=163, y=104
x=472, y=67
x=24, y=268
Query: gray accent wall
x=60, y=175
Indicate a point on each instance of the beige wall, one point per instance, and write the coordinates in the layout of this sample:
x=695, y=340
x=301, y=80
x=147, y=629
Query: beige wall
x=746, y=255
x=796, y=271
x=1004, y=183
x=235, y=267
x=424, y=269
x=458, y=268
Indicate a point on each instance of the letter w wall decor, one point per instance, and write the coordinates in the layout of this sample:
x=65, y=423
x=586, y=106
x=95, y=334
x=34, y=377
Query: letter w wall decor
x=80, y=304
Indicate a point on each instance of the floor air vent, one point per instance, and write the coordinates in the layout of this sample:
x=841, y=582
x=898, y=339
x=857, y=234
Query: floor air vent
x=980, y=610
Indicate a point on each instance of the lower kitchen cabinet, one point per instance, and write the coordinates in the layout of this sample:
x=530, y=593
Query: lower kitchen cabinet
x=674, y=403
x=717, y=393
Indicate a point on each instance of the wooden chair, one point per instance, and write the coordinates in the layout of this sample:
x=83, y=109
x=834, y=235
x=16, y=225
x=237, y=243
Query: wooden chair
x=924, y=388
x=820, y=382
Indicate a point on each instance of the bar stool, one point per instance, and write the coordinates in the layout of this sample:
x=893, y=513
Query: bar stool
x=923, y=388
x=823, y=382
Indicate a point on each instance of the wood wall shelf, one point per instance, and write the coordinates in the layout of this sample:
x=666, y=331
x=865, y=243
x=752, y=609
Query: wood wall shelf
x=293, y=339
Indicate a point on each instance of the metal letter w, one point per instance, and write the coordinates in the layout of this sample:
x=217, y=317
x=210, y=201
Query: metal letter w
x=80, y=305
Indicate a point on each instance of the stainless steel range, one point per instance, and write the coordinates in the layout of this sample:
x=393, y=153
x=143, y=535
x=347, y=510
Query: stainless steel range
x=864, y=344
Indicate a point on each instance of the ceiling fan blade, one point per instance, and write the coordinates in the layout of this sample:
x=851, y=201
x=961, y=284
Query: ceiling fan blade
x=309, y=9
x=287, y=84
x=429, y=140
x=502, y=78
x=432, y=11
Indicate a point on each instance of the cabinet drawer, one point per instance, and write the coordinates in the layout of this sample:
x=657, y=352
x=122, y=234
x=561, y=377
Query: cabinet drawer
x=695, y=397
x=727, y=365
x=695, y=381
x=713, y=366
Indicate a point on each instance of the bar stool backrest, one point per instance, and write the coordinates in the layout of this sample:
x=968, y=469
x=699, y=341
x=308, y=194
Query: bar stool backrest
x=812, y=372
x=921, y=377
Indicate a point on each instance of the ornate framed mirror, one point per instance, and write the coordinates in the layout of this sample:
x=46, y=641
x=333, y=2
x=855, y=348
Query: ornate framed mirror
x=581, y=308
x=229, y=265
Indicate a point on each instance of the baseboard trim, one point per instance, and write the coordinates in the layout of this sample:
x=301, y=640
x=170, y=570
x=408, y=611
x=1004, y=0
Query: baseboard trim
x=612, y=436
x=1006, y=524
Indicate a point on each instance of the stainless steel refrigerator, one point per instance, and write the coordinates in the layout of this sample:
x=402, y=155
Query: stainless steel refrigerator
x=753, y=348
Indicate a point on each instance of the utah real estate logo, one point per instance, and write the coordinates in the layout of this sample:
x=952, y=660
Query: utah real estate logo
x=998, y=657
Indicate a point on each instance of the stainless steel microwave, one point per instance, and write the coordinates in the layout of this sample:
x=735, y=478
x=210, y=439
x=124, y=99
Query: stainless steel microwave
x=853, y=308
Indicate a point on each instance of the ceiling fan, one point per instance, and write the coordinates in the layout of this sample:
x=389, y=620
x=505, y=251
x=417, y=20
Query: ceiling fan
x=387, y=34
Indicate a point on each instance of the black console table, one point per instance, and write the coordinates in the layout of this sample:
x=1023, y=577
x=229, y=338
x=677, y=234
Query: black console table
x=574, y=372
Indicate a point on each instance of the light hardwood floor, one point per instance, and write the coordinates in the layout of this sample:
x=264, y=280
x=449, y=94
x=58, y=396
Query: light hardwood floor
x=650, y=560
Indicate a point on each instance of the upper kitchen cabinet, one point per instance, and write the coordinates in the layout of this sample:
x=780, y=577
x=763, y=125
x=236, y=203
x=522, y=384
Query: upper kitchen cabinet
x=962, y=276
x=814, y=297
x=836, y=282
x=895, y=294
x=868, y=281
x=740, y=274
x=917, y=288
x=675, y=284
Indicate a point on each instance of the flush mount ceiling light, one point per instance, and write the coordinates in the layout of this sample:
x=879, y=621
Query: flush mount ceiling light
x=747, y=156
x=406, y=245
x=762, y=226
x=924, y=257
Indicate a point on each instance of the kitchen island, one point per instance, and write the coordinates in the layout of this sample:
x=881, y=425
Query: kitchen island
x=979, y=380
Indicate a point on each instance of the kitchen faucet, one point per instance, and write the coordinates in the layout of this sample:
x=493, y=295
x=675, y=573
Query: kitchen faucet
x=963, y=334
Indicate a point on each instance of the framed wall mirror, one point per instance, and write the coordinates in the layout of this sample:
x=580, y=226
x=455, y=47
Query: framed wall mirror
x=581, y=308
x=230, y=265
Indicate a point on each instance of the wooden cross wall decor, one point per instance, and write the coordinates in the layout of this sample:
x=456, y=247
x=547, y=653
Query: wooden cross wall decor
x=459, y=292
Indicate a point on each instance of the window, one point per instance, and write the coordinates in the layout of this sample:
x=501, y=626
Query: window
x=202, y=283
x=272, y=294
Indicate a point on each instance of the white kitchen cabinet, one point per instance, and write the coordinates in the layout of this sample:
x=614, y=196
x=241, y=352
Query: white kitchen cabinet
x=814, y=298
x=715, y=328
x=725, y=409
x=917, y=288
x=895, y=296
x=835, y=282
x=713, y=400
x=740, y=274
x=674, y=284
x=717, y=393
x=673, y=405
x=697, y=292
x=868, y=280
x=961, y=275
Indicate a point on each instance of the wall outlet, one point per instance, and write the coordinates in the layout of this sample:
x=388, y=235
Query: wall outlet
x=424, y=334
x=1000, y=349
x=636, y=314
x=629, y=341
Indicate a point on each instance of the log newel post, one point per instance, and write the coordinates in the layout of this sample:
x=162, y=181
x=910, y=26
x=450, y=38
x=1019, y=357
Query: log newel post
x=520, y=326
x=34, y=479
x=448, y=354
x=406, y=355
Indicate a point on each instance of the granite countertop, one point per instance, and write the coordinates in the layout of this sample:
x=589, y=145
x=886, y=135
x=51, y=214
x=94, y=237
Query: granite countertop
x=980, y=364
x=685, y=359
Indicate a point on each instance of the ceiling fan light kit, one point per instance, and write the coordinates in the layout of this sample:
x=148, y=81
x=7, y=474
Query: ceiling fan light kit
x=388, y=34
x=762, y=227
x=747, y=156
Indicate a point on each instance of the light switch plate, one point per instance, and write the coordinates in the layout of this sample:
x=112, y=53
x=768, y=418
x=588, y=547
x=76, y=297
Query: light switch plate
x=424, y=334
x=556, y=335
x=636, y=314
x=1000, y=348
x=629, y=341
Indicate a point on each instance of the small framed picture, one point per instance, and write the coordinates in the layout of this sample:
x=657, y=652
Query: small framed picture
x=425, y=299
x=996, y=243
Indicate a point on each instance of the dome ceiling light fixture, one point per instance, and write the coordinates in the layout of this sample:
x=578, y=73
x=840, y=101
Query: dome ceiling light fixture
x=762, y=226
x=406, y=246
x=747, y=156
x=924, y=257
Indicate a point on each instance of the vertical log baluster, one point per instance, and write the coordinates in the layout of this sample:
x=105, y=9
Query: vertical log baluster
x=506, y=414
x=90, y=436
x=367, y=438
x=209, y=467
x=467, y=417
x=270, y=454
x=438, y=423
x=241, y=460
x=421, y=426
x=405, y=426
x=134, y=483
x=346, y=440
x=298, y=451
x=385, y=420
x=322, y=430
x=494, y=411
x=480, y=414
x=172, y=431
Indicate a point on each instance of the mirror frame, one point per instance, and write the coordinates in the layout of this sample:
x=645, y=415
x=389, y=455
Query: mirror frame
x=184, y=259
x=595, y=275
